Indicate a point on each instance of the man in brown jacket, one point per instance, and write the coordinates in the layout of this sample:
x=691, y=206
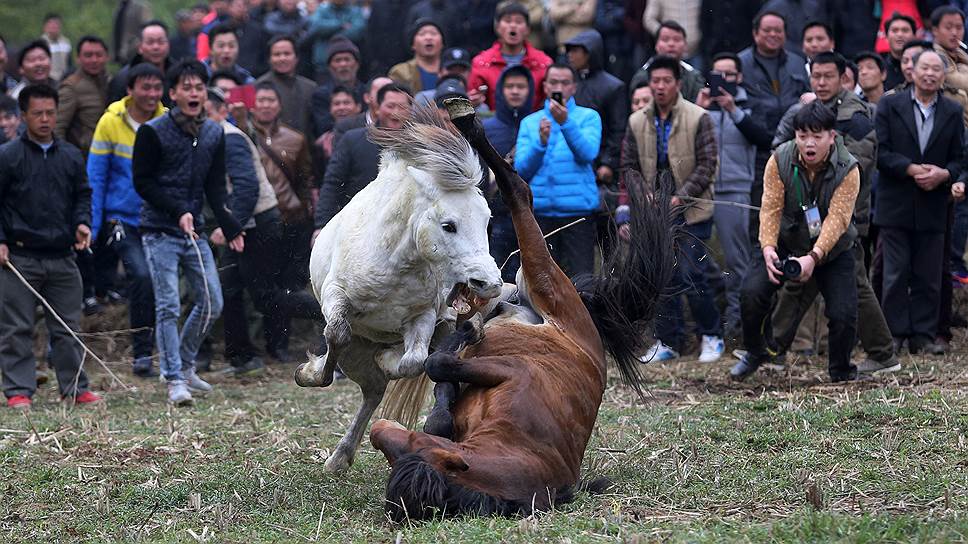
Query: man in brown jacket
x=84, y=94
x=285, y=156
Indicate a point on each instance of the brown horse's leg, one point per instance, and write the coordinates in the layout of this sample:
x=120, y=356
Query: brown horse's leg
x=479, y=371
x=550, y=290
x=440, y=422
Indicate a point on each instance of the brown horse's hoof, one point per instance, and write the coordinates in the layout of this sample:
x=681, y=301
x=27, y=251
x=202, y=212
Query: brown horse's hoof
x=306, y=378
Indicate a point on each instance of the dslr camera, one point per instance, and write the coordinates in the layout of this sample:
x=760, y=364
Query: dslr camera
x=790, y=268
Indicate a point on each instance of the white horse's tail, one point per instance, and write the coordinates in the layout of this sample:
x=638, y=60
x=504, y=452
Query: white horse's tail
x=405, y=399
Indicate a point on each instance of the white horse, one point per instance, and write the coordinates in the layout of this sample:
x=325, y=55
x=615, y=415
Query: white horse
x=386, y=269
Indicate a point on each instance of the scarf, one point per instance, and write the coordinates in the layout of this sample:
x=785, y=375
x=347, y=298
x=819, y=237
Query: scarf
x=191, y=125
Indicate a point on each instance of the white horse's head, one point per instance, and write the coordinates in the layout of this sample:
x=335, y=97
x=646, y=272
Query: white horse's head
x=450, y=215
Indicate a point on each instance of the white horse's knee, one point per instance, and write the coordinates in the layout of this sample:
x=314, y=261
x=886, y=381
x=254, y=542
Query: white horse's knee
x=338, y=332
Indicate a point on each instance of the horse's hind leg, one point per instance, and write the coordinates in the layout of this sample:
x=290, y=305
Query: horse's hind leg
x=440, y=422
x=318, y=372
x=360, y=367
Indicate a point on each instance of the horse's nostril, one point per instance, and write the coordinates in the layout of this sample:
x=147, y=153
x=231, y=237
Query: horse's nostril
x=476, y=284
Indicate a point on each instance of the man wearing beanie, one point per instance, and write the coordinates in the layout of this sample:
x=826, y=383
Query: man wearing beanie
x=343, y=64
x=426, y=39
x=511, y=24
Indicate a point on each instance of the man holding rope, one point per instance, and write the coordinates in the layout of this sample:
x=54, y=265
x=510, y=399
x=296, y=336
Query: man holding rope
x=178, y=163
x=45, y=212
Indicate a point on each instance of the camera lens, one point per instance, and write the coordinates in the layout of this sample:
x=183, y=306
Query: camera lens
x=792, y=269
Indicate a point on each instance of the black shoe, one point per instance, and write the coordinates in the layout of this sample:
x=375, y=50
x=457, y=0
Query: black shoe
x=851, y=376
x=113, y=297
x=926, y=346
x=203, y=362
x=91, y=306
x=142, y=368
x=746, y=366
x=898, y=345
x=253, y=367
x=958, y=321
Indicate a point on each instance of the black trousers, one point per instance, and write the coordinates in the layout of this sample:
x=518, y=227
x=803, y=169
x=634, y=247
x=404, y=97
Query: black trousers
x=835, y=279
x=911, y=295
x=574, y=247
x=261, y=271
x=58, y=281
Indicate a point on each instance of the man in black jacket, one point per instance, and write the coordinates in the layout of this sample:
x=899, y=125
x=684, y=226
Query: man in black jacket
x=45, y=212
x=153, y=48
x=356, y=160
x=178, y=163
x=919, y=160
x=604, y=93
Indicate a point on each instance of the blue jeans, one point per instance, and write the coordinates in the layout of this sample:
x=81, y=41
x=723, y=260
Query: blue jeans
x=689, y=278
x=165, y=253
x=141, y=300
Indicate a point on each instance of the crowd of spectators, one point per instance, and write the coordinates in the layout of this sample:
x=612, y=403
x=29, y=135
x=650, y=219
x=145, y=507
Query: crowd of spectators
x=814, y=148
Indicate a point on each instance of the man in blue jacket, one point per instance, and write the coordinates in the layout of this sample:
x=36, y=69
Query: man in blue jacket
x=515, y=93
x=556, y=149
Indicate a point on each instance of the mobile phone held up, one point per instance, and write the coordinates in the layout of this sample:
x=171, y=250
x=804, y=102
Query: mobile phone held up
x=716, y=80
x=557, y=97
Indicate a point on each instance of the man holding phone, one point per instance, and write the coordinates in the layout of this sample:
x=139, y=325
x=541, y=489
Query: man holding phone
x=556, y=148
x=739, y=137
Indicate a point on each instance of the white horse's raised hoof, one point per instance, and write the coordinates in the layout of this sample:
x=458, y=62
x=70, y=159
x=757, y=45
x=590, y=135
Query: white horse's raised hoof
x=306, y=377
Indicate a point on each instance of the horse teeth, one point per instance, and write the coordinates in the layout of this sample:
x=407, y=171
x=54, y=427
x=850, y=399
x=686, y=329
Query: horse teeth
x=461, y=306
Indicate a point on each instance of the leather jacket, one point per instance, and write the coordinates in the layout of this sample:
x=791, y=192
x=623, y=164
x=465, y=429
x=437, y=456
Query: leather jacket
x=292, y=180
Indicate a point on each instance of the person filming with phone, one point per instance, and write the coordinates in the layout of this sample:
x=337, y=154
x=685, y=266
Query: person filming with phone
x=556, y=149
x=809, y=188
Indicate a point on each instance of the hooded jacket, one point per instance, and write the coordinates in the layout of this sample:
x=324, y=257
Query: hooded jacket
x=502, y=128
x=109, y=168
x=560, y=172
x=604, y=93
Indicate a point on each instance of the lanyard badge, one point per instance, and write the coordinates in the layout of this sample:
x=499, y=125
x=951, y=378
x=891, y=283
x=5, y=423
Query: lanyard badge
x=811, y=214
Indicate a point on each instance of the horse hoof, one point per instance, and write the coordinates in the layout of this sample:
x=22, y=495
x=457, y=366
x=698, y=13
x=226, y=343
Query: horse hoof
x=307, y=378
x=337, y=463
x=440, y=423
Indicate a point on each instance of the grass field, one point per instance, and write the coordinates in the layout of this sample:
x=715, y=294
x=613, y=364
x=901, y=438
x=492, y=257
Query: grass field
x=784, y=457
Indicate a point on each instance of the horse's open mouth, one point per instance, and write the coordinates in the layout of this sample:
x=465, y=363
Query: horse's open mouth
x=462, y=299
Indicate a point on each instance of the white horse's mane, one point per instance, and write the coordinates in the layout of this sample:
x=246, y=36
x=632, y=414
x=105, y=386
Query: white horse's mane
x=432, y=144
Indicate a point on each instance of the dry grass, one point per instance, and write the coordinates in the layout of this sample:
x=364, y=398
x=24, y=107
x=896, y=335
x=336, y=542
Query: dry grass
x=783, y=457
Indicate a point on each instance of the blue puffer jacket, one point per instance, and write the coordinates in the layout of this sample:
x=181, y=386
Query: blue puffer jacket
x=560, y=173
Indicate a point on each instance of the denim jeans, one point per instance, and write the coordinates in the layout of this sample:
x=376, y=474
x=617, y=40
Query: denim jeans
x=690, y=278
x=165, y=253
x=141, y=298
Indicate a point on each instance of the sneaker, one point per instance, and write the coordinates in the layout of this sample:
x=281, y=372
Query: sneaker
x=86, y=397
x=91, y=306
x=178, y=393
x=659, y=352
x=113, y=297
x=875, y=368
x=253, y=367
x=744, y=368
x=19, y=401
x=712, y=349
x=195, y=383
x=142, y=368
x=926, y=346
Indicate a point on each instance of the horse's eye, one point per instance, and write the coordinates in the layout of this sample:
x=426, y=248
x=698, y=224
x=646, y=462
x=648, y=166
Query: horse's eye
x=449, y=226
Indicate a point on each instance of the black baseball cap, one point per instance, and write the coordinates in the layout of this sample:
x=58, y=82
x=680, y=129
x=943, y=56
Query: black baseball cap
x=453, y=56
x=449, y=88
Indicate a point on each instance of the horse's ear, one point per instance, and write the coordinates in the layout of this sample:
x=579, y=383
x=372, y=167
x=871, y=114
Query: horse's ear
x=450, y=460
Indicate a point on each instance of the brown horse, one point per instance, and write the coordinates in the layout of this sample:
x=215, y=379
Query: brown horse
x=514, y=438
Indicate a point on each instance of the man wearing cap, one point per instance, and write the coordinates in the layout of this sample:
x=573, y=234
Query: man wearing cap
x=344, y=64
x=455, y=62
x=420, y=73
x=511, y=25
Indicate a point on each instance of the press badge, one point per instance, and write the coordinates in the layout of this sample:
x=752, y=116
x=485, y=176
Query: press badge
x=812, y=215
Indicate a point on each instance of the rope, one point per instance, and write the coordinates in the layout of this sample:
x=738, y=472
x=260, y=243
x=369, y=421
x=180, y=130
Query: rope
x=556, y=231
x=208, y=295
x=51, y=311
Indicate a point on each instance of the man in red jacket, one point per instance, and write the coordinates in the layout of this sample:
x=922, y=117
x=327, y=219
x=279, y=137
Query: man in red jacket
x=512, y=48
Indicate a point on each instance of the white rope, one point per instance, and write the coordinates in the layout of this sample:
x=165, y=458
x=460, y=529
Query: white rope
x=51, y=311
x=546, y=236
x=208, y=295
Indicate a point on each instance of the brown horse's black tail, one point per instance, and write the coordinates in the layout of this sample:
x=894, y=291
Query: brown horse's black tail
x=624, y=300
x=417, y=491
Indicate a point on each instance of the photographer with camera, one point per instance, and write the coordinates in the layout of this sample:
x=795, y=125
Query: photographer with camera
x=809, y=189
